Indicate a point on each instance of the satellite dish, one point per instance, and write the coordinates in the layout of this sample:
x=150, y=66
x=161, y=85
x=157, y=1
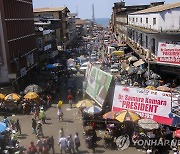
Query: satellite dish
x=41, y=29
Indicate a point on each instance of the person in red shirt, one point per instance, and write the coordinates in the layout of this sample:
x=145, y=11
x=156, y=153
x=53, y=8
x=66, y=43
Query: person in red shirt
x=70, y=100
x=32, y=149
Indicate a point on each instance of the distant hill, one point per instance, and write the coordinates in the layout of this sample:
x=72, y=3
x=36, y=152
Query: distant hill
x=102, y=21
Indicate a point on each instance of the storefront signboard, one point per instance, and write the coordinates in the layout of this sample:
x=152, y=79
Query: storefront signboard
x=169, y=53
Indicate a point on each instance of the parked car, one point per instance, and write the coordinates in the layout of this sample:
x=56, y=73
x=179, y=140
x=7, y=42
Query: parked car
x=114, y=70
x=83, y=68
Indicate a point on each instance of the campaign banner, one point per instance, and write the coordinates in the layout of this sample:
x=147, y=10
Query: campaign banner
x=98, y=83
x=169, y=53
x=147, y=103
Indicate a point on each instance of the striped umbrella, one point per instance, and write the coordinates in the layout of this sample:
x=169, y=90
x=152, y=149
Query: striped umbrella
x=126, y=115
x=93, y=110
x=109, y=115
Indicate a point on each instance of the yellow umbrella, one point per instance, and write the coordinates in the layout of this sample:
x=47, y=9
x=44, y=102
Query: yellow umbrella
x=31, y=95
x=151, y=88
x=84, y=103
x=2, y=96
x=109, y=115
x=12, y=97
x=118, y=53
x=126, y=115
x=59, y=103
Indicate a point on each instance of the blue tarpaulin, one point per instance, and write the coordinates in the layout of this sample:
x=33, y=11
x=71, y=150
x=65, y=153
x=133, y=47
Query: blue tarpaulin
x=2, y=127
x=50, y=66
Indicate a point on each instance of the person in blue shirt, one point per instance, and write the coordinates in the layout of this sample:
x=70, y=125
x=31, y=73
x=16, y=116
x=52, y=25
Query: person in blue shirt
x=6, y=121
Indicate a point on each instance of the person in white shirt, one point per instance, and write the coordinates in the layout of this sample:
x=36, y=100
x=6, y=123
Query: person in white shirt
x=63, y=144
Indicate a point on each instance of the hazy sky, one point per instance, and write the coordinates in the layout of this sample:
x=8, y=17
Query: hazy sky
x=103, y=8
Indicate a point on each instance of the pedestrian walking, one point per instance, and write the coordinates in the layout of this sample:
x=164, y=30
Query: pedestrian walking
x=42, y=115
x=61, y=133
x=39, y=129
x=51, y=144
x=60, y=114
x=34, y=125
x=70, y=144
x=63, y=144
x=32, y=148
x=77, y=141
x=70, y=100
x=39, y=145
x=18, y=126
x=6, y=121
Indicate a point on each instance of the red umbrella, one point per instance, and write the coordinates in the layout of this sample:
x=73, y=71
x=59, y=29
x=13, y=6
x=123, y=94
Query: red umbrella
x=177, y=133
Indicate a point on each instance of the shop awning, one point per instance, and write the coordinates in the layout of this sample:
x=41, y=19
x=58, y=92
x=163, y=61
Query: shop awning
x=138, y=63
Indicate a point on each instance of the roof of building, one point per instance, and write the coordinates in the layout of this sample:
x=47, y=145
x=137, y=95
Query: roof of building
x=47, y=9
x=80, y=22
x=158, y=8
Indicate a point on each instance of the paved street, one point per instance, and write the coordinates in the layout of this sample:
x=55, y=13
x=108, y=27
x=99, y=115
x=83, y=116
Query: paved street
x=72, y=123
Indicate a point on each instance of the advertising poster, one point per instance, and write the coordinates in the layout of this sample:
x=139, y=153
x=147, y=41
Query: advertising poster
x=169, y=53
x=147, y=103
x=98, y=84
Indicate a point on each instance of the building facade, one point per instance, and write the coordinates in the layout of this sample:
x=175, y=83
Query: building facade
x=17, y=43
x=155, y=33
x=62, y=34
x=119, y=18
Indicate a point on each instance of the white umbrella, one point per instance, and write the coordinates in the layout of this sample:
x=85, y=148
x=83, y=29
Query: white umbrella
x=93, y=110
x=148, y=124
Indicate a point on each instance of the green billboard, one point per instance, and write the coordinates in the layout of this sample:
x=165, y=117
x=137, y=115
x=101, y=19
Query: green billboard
x=98, y=83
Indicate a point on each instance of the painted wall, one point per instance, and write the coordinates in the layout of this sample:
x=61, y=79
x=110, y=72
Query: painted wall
x=165, y=21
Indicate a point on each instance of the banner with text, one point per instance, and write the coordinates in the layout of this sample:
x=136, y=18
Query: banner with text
x=98, y=83
x=169, y=53
x=147, y=103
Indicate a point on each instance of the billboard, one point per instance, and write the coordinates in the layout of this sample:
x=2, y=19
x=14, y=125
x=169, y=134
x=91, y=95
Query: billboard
x=98, y=83
x=169, y=53
x=147, y=103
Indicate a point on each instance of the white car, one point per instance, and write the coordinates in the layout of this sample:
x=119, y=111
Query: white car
x=114, y=70
x=83, y=68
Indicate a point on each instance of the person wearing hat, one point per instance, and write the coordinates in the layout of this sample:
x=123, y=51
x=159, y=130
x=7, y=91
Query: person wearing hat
x=42, y=115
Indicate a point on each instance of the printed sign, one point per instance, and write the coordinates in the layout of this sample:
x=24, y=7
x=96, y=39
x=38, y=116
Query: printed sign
x=147, y=103
x=98, y=84
x=169, y=53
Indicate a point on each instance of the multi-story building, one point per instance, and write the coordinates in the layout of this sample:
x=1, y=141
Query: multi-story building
x=72, y=26
x=62, y=34
x=119, y=18
x=46, y=39
x=155, y=33
x=80, y=27
x=17, y=41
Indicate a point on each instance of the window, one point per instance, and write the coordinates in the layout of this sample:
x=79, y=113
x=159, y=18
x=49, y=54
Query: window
x=133, y=19
x=136, y=19
x=141, y=20
x=154, y=21
x=147, y=20
x=146, y=41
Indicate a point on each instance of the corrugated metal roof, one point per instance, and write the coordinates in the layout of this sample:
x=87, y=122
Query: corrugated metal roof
x=158, y=8
x=38, y=10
